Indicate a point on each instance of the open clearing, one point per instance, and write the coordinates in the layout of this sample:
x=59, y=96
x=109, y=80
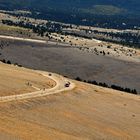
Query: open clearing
x=56, y=83
x=72, y=62
x=15, y=80
x=35, y=105
x=86, y=112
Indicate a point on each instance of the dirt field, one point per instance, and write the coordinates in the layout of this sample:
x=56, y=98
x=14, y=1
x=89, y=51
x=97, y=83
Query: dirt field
x=15, y=80
x=73, y=62
x=86, y=113
x=88, y=45
x=98, y=47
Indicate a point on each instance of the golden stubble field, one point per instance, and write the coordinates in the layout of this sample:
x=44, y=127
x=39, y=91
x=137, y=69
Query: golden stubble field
x=15, y=80
x=86, y=113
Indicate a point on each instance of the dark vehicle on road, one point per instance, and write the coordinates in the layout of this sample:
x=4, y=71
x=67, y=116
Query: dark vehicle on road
x=67, y=84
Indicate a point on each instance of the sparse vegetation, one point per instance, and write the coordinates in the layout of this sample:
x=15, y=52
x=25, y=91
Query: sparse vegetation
x=9, y=62
x=128, y=90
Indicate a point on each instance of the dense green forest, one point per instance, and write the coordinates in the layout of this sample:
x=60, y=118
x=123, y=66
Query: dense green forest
x=87, y=6
x=87, y=12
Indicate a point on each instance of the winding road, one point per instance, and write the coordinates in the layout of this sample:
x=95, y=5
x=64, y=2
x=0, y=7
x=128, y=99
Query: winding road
x=59, y=87
x=60, y=80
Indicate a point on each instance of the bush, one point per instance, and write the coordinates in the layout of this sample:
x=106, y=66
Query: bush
x=78, y=79
x=8, y=62
x=3, y=61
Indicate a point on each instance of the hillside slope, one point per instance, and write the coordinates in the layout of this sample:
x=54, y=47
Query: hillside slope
x=85, y=113
x=15, y=80
x=101, y=13
x=131, y=6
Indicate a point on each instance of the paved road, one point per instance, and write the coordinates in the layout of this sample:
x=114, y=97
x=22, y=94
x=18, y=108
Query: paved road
x=59, y=87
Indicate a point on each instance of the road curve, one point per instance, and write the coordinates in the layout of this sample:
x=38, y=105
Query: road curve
x=59, y=87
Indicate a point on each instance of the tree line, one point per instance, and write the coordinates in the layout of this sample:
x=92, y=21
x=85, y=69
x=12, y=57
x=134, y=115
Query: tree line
x=9, y=62
x=116, y=87
x=123, y=38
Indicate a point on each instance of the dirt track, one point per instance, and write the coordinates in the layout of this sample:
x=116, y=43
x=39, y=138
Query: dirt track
x=81, y=112
x=65, y=60
x=32, y=40
x=59, y=87
x=84, y=113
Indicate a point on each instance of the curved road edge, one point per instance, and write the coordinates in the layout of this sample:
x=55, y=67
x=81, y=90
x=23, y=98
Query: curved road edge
x=59, y=87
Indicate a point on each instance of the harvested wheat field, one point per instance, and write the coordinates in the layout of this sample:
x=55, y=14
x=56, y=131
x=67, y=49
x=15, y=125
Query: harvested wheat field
x=86, y=112
x=15, y=80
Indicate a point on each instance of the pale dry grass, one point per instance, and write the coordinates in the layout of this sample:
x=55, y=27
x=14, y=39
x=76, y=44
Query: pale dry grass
x=86, y=113
x=12, y=28
x=111, y=49
x=15, y=80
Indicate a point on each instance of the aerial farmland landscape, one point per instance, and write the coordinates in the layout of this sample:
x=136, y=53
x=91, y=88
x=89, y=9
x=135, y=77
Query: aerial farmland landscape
x=69, y=70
